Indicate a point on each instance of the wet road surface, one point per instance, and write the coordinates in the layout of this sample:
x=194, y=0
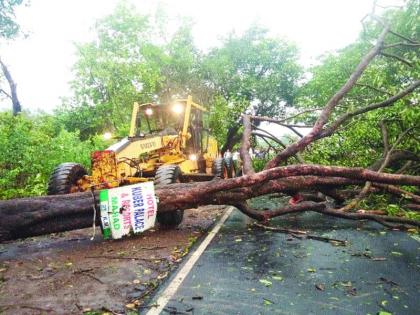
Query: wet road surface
x=246, y=270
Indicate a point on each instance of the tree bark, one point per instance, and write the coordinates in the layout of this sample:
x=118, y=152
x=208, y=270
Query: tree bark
x=246, y=145
x=41, y=215
x=17, y=108
x=232, y=138
x=329, y=107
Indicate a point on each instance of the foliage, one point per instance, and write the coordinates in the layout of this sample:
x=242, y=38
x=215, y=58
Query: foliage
x=259, y=163
x=251, y=72
x=32, y=146
x=128, y=63
x=359, y=142
x=255, y=67
x=224, y=114
x=393, y=206
x=9, y=28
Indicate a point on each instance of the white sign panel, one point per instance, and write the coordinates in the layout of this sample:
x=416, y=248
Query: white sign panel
x=128, y=209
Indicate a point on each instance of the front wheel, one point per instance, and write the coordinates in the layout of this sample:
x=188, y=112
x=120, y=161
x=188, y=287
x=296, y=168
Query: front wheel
x=220, y=169
x=64, y=179
x=169, y=174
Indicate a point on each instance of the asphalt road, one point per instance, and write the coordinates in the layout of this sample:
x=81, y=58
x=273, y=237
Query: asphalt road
x=251, y=271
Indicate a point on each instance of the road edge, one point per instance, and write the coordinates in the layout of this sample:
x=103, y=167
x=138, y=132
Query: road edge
x=183, y=272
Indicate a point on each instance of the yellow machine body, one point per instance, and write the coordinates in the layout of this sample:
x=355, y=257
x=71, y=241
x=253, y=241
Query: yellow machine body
x=176, y=135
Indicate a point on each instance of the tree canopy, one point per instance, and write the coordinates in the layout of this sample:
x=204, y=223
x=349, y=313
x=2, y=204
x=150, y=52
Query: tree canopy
x=130, y=61
x=360, y=141
x=9, y=28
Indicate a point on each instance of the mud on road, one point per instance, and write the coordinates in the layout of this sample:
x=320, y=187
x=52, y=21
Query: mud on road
x=67, y=273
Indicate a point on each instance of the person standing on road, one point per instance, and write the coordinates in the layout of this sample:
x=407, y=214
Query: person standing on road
x=236, y=156
x=227, y=154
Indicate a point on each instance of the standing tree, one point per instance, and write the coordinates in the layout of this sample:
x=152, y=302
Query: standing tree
x=129, y=62
x=17, y=108
x=9, y=29
x=252, y=72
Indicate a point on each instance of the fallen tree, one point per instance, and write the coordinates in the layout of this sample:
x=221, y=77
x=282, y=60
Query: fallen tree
x=41, y=215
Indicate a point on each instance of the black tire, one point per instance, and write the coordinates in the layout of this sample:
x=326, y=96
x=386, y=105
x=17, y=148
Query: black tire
x=64, y=177
x=231, y=168
x=219, y=168
x=168, y=174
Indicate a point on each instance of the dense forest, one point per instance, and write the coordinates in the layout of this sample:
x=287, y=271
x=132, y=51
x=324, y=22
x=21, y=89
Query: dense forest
x=138, y=58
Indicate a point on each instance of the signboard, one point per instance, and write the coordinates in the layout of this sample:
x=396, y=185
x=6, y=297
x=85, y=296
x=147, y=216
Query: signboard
x=127, y=209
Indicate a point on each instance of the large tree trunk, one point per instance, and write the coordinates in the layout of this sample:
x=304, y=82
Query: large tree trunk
x=41, y=215
x=232, y=138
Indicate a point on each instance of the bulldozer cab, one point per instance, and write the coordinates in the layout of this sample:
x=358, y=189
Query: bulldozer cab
x=182, y=118
x=153, y=119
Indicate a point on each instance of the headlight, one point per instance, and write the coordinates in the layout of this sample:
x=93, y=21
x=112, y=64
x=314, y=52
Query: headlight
x=149, y=111
x=193, y=157
x=107, y=135
x=177, y=108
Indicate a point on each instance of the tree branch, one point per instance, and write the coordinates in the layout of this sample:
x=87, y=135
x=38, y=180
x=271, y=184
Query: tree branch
x=323, y=209
x=399, y=58
x=280, y=122
x=264, y=138
x=385, y=139
x=403, y=37
x=5, y=93
x=401, y=44
x=332, y=103
x=17, y=108
x=387, y=152
x=398, y=191
x=373, y=88
x=246, y=145
x=391, y=100
x=283, y=120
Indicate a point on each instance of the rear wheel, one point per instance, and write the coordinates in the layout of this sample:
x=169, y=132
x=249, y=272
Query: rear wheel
x=220, y=169
x=231, y=167
x=169, y=174
x=64, y=178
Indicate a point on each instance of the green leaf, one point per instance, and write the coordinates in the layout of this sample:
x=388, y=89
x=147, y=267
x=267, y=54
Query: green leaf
x=267, y=301
x=266, y=282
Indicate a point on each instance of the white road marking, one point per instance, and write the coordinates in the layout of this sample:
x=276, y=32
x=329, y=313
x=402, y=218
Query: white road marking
x=183, y=272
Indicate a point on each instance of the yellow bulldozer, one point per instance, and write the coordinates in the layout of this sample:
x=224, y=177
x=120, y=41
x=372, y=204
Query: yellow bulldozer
x=168, y=144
